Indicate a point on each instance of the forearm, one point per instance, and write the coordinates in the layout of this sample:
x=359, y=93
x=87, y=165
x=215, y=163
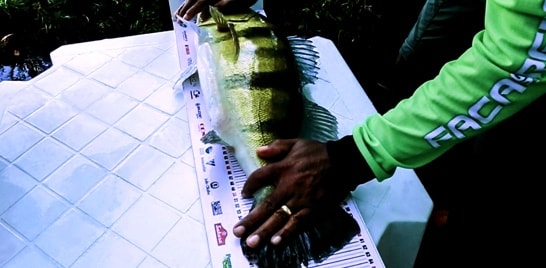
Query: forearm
x=501, y=74
x=347, y=163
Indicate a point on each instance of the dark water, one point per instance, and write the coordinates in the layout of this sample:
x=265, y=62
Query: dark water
x=24, y=70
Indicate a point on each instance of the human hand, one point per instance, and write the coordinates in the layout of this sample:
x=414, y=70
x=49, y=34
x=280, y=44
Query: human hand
x=300, y=170
x=190, y=8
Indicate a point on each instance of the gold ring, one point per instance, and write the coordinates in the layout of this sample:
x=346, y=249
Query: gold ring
x=286, y=210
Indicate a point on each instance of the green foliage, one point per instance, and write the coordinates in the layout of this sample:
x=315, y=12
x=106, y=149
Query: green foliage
x=348, y=23
x=47, y=24
x=355, y=26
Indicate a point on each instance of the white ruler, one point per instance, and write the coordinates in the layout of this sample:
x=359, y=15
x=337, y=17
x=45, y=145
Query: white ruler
x=220, y=180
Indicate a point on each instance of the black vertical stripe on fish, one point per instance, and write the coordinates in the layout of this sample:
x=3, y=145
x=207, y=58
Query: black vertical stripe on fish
x=271, y=52
x=281, y=128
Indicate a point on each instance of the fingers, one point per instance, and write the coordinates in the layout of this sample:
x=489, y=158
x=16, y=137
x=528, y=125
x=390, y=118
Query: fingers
x=256, y=216
x=270, y=221
x=277, y=227
x=195, y=9
x=269, y=173
x=191, y=8
x=181, y=11
x=258, y=179
x=276, y=150
x=280, y=225
x=268, y=228
x=294, y=223
x=225, y=4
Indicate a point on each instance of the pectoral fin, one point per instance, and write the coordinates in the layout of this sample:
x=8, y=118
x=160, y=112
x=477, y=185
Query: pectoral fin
x=212, y=138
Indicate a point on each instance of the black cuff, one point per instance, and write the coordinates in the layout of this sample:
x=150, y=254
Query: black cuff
x=348, y=163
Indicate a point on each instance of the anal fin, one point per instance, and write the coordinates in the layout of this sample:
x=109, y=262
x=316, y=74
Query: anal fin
x=318, y=122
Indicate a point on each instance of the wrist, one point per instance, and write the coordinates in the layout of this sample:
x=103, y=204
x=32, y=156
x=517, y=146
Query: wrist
x=347, y=162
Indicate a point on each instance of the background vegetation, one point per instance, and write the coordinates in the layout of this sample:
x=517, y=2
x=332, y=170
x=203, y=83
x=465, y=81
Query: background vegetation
x=367, y=33
x=40, y=26
x=361, y=29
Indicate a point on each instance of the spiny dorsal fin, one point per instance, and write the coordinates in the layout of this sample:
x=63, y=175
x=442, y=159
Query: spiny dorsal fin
x=218, y=17
x=306, y=57
x=318, y=122
x=235, y=38
x=223, y=25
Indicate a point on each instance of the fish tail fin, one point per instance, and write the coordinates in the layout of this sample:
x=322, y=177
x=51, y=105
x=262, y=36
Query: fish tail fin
x=223, y=25
x=306, y=57
x=320, y=240
x=331, y=233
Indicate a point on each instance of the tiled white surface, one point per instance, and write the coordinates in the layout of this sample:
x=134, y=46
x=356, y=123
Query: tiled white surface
x=96, y=168
x=95, y=162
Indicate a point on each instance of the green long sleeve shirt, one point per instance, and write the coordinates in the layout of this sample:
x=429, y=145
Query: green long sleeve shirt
x=499, y=75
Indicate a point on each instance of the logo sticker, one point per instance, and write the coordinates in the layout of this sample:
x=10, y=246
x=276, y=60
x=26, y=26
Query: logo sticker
x=209, y=185
x=221, y=234
x=216, y=208
x=207, y=150
x=203, y=167
x=202, y=129
x=226, y=263
x=193, y=82
x=198, y=114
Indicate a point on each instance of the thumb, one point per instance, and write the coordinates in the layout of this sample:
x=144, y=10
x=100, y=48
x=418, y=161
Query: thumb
x=234, y=4
x=278, y=149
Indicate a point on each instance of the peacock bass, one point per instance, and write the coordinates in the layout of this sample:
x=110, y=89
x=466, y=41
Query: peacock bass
x=250, y=84
x=252, y=80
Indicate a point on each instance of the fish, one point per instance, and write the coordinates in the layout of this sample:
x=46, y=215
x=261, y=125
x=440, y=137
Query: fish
x=252, y=78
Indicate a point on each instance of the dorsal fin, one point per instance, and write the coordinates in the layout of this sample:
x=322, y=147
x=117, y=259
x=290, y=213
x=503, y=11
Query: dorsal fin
x=306, y=57
x=221, y=21
x=223, y=25
x=318, y=122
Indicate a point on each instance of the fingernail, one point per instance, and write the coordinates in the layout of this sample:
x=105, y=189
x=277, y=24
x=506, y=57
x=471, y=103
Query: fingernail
x=239, y=231
x=275, y=240
x=253, y=241
x=261, y=148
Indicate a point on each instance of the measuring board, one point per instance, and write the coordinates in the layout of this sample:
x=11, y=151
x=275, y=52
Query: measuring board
x=221, y=179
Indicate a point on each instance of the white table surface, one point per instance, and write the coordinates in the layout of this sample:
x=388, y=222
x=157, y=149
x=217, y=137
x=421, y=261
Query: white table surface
x=96, y=164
